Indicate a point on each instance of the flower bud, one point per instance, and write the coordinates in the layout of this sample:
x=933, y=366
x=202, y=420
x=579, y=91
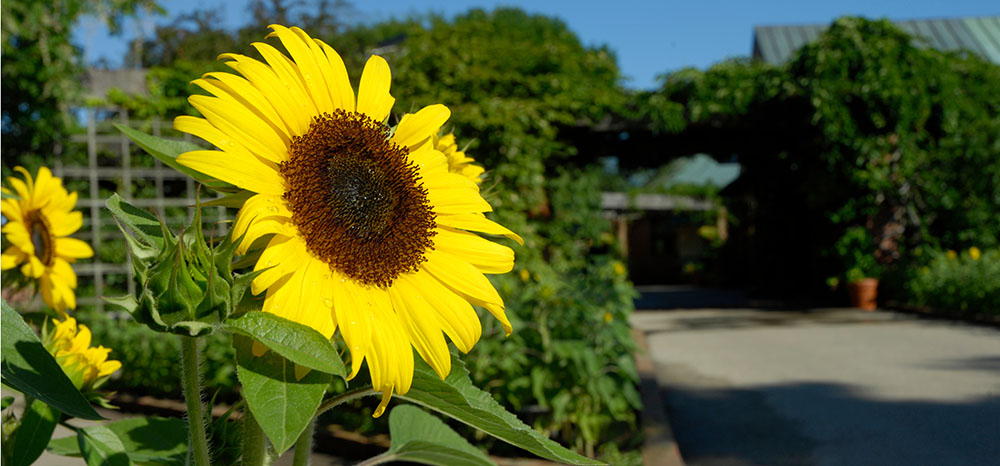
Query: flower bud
x=187, y=286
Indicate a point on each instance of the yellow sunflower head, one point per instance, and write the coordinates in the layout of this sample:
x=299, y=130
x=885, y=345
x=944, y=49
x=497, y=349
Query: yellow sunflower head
x=458, y=162
x=69, y=343
x=369, y=232
x=40, y=218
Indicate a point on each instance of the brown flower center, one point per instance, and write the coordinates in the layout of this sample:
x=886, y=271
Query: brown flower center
x=357, y=200
x=41, y=238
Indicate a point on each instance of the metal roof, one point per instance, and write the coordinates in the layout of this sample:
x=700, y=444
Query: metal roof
x=777, y=44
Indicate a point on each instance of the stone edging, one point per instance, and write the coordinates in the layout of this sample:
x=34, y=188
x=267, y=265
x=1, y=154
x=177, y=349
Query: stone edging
x=659, y=447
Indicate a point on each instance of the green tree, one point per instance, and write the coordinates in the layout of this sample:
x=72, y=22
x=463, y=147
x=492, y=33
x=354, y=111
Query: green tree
x=863, y=129
x=42, y=68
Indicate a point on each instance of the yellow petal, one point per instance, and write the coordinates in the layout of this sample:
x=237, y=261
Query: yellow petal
x=108, y=367
x=390, y=357
x=313, y=309
x=449, y=181
x=245, y=172
x=457, y=201
x=353, y=309
x=233, y=127
x=271, y=87
x=260, y=215
x=69, y=223
x=62, y=271
x=429, y=161
x=11, y=209
x=341, y=91
x=305, y=59
x=73, y=248
x=386, y=396
x=452, y=312
x=241, y=90
x=373, y=92
x=279, y=258
x=416, y=128
x=421, y=325
x=485, y=255
x=462, y=278
x=289, y=76
x=477, y=222
x=12, y=257
x=33, y=268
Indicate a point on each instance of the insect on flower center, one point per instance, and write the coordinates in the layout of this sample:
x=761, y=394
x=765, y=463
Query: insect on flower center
x=41, y=238
x=357, y=200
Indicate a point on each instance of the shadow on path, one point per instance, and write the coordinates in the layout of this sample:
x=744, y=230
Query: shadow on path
x=829, y=424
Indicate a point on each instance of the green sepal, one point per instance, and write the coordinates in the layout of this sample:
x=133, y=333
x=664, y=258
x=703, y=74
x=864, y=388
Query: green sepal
x=187, y=286
x=234, y=201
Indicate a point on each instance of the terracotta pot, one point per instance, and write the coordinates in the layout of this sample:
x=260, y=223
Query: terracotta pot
x=863, y=293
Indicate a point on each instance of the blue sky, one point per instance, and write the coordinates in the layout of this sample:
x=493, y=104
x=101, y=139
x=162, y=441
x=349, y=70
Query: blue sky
x=649, y=37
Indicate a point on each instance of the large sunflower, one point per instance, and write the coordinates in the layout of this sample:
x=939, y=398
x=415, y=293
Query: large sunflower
x=370, y=230
x=39, y=222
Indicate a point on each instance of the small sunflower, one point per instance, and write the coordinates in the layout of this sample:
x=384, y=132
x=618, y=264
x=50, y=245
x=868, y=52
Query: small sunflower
x=39, y=222
x=370, y=232
x=85, y=366
x=458, y=162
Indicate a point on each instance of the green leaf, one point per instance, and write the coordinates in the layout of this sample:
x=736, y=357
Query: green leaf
x=7, y=401
x=167, y=151
x=33, y=434
x=235, y=200
x=152, y=440
x=101, y=447
x=144, y=224
x=458, y=398
x=420, y=437
x=282, y=403
x=299, y=343
x=29, y=368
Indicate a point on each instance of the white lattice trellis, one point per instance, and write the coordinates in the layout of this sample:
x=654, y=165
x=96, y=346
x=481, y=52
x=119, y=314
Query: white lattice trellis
x=111, y=165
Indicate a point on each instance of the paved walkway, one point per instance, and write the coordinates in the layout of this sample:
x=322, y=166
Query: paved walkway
x=826, y=387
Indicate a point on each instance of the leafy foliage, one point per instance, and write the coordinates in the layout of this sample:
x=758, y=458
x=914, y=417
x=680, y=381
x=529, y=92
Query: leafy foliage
x=456, y=396
x=420, y=437
x=149, y=440
x=966, y=283
x=42, y=69
x=282, y=396
x=863, y=130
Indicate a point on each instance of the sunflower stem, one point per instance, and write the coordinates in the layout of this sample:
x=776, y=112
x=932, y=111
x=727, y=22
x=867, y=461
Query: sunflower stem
x=254, y=442
x=191, y=381
x=344, y=398
x=303, y=446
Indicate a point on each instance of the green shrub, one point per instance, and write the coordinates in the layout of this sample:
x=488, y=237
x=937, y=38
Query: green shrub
x=966, y=283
